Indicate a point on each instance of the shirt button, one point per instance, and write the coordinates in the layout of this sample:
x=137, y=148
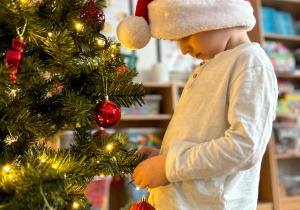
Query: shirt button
x=194, y=76
x=202, y=63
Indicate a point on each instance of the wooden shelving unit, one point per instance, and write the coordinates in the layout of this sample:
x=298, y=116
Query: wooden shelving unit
x=147, y=117
x=170, y=93
x=269, y=189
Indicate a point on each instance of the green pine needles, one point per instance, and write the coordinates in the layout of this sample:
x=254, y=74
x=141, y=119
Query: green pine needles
x=68, y=67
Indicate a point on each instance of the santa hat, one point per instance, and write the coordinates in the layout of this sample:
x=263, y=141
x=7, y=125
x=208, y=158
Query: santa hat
x=175, y=19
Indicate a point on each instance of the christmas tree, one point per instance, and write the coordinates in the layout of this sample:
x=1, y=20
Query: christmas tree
x=57, y=71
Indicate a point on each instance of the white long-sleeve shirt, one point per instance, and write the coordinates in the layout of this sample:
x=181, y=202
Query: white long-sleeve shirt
x=219, y=132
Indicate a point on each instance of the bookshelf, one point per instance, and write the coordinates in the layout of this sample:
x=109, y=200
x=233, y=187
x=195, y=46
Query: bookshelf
x=270, y=189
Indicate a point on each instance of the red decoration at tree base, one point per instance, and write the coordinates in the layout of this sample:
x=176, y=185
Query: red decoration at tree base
x=142, y=205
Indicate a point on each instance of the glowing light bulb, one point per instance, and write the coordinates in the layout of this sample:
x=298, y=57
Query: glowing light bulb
x=112, y=55
x=78, y=26
x=43, y=160
x=54, y=166
x=13, y=92
x=102, y=175
x=75, y=205
x=11, y=176
x=97, y=161
x=109, y=147
x=137, y=188
x=50, y=34
x=114, y=46
x=100, y=42
x=6, y=168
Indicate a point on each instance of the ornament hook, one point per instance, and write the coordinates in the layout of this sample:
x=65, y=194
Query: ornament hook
x=20, y=30
x=144, y=198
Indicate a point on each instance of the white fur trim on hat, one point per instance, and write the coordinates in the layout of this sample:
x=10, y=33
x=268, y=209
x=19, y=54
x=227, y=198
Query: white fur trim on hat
x=175, y=19
x=134, y=32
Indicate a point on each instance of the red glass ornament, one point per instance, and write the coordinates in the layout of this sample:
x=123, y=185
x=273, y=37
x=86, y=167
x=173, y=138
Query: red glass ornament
x=14, y=56
x=101, y=133
x=107, y=114
x=142, y=205
x=92, y=12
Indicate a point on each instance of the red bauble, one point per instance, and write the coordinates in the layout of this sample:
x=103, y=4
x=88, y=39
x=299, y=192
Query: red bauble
x=13, y=57
x=92, y=12
x=107, y=114
x=101, y=133
x=142, y=205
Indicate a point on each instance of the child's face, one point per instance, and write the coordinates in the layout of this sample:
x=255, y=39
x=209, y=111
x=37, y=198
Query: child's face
x=204, y=45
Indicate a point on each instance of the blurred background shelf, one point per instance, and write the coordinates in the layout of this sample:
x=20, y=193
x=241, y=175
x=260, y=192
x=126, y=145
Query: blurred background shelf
x=273, y=165
x=288, y=75
x=146, y=117
x=264, y=205
x=287, y=156
x=292, y=42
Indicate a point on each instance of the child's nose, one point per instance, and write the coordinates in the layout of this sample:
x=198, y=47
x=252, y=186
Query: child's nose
x=185, y=50
x=184, y=47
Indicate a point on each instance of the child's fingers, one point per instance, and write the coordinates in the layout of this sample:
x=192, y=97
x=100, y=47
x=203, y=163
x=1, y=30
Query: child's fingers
x=137, y=179
x=143, y=185
x=144, y=151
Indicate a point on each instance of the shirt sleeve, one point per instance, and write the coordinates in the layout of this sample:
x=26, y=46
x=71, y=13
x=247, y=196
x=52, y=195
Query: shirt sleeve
x=252, y=100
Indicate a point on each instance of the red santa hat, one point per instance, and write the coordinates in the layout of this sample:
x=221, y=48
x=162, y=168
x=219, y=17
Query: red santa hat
x=175, y=19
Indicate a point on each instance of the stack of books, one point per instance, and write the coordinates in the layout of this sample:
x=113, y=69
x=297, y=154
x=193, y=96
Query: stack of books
x=275, y=21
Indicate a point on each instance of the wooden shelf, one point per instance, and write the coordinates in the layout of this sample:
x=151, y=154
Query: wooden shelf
x=287, y=156
x=146, y=117
x=291, y=198
x=291, y=42
x=288, y=76
x=281, y=37
x=154, y=85
x=290, y=203
x=291, y=115
x=264, y=205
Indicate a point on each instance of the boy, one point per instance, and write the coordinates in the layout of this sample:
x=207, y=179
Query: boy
x=212, y=150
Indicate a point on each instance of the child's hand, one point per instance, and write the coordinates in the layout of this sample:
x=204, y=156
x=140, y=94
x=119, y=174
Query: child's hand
x=151, y=172
x=148, y=151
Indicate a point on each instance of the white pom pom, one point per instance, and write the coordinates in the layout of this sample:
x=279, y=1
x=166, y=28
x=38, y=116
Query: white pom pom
x=134, y=32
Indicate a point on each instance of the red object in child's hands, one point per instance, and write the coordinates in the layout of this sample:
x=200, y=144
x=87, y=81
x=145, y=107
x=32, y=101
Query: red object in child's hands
x=13, y=58
x=142, y=205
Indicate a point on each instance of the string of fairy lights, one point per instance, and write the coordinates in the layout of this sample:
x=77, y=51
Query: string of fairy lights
x=10, y=173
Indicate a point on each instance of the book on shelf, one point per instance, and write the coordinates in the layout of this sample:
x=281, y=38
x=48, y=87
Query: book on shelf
x=276, y=21
x=268, y=17
x=284, y=23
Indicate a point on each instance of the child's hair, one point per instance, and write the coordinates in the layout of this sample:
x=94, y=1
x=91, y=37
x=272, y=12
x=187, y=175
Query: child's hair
x=175, y=19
